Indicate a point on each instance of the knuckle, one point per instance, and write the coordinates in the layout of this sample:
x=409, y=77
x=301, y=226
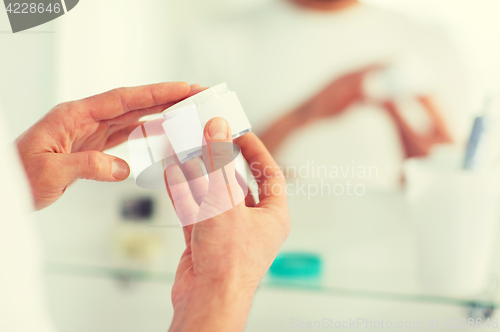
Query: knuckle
x=93, y=164
x=222, y=152
x=63, y=108
x=180, y=194
x=119, y=90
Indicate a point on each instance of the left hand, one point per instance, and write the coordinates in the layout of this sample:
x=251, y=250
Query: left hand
x=67, y=143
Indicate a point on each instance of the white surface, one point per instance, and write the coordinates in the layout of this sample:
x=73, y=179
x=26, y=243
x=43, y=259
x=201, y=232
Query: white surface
x=26, y=77
x=75, y=234
x=21, y=292
x=229, y=108
x=93, y=304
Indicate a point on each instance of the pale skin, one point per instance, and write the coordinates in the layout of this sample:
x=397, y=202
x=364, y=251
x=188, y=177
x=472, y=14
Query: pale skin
x=347, y=90
x=226, y=256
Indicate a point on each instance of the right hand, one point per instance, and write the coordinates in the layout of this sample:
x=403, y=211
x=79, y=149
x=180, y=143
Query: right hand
x=226, y=255
x=420, y=144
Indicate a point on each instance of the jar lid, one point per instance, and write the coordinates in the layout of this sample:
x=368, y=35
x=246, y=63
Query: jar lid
x=198, y=99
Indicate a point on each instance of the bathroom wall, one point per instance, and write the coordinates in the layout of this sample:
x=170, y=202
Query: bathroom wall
x=26, y=74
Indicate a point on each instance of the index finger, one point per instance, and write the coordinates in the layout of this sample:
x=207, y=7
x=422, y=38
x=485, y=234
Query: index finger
x=119, y=101
x=269, y=176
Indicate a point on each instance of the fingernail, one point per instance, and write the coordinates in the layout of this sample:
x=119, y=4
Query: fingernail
x=218, y=129
x=120, y=169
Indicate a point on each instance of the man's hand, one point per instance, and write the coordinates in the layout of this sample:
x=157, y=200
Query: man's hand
x=336, y=97
x=227, y=254
x=67, y=143
x=331, y=101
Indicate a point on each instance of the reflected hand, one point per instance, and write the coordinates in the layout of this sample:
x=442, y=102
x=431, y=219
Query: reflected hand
x=336, y=97
x=67, y=143
x=330, y=101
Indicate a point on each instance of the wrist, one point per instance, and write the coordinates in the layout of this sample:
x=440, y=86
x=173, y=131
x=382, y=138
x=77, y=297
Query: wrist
x=213, y=306
x=278, y=132
x=301, y=117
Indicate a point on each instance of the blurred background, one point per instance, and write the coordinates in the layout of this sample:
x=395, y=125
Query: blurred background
x=382, y=94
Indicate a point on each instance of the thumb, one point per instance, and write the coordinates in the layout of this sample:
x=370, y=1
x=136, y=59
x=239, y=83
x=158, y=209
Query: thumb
x=224, y=191
x=95, y=165
x=218, y=145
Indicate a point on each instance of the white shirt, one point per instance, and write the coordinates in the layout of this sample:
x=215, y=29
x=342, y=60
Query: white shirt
x=279, y=55
x=22, y=307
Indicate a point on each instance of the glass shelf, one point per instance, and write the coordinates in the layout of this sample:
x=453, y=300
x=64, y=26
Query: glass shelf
x=139, y=275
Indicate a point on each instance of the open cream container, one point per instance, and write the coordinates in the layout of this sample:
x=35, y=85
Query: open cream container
x=177, y=133
x=184, y=121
